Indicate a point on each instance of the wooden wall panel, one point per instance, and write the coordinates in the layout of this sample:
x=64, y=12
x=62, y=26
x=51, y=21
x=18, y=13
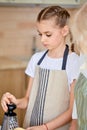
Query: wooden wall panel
x=17, y=29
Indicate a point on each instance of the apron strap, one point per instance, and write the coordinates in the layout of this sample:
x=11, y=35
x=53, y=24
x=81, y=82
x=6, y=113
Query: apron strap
x=65, y=57
x=41, y=59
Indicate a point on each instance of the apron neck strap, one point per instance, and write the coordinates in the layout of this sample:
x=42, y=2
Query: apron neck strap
x=65, y=57
x=41, y=59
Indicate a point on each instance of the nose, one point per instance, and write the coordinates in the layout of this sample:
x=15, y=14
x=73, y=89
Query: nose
x=43, y=38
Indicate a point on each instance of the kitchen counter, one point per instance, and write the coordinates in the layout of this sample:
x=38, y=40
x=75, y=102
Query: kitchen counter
x=12, y=63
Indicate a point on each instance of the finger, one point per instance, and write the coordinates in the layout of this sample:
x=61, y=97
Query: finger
x=5, y=98
x=7, y=94
x=4, y=101
x=4, y=106
x=13, y=99
x=10, y=98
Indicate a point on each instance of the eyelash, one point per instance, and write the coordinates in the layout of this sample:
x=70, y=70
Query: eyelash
x=40, y=34
x=48, y=35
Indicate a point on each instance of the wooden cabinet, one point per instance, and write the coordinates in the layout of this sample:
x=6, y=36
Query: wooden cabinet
x=13, y=80
x=64, y=2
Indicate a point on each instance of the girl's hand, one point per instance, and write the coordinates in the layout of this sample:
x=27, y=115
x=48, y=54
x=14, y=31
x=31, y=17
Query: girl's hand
x=7, y=98
x=41, y=127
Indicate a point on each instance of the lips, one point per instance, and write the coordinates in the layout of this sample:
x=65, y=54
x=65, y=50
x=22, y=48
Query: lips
x=45, y=45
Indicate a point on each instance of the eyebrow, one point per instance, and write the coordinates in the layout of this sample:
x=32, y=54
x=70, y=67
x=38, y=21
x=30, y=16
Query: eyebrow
x=44, y=32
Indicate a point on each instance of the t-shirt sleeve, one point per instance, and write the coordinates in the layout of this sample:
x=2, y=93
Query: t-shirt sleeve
x=74, y=68
x=74, y=113
x=30, y=70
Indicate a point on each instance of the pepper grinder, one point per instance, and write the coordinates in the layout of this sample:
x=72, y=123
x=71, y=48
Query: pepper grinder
x=10, y=118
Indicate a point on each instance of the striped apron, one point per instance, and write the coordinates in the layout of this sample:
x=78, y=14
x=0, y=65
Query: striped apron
x=49, y=95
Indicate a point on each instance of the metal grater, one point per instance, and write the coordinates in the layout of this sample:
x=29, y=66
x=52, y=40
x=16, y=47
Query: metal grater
x=10, y=120
x=12, y=123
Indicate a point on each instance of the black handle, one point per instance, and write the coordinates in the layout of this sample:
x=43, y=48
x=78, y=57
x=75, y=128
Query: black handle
x=11, y=107
x=10, y=112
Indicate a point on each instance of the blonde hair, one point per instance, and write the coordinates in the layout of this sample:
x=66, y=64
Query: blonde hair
x=78, y=25
x=60, y=15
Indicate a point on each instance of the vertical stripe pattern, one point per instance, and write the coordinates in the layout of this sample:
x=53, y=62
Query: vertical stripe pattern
x=38, y=109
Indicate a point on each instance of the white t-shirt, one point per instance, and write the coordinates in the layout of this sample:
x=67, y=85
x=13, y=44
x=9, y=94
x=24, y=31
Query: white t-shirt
x=54, y=64
x=83, y=70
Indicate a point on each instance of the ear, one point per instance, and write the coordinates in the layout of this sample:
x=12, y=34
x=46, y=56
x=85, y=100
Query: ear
x=65, y=30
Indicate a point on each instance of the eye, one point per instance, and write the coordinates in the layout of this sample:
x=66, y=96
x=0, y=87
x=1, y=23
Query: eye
x=48, y=35
x=40, y=34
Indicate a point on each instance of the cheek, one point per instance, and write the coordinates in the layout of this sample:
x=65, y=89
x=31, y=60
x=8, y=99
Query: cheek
x=57, y=40
x=58, y=37
x=54, y=39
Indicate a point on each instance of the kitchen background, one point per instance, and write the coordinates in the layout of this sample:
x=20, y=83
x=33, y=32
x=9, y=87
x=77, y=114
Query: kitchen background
x=19, y=40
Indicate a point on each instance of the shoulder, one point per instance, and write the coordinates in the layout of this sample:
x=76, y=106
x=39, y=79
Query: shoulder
x=30, y=70
x=38, y=54
x=72, y=66
x=73, y=54
x=73, y=61
x=73, y=57
x=36, y=57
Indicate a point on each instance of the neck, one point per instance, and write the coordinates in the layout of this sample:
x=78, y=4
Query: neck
x=57, y=52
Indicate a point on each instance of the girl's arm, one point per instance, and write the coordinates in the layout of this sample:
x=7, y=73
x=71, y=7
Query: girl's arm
x=22, y=103
x=73, y=125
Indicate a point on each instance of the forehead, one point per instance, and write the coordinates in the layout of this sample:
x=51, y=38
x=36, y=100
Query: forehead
x=47, y=25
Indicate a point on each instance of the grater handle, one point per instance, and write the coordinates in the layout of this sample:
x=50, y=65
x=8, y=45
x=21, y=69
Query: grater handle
x=10, y=112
